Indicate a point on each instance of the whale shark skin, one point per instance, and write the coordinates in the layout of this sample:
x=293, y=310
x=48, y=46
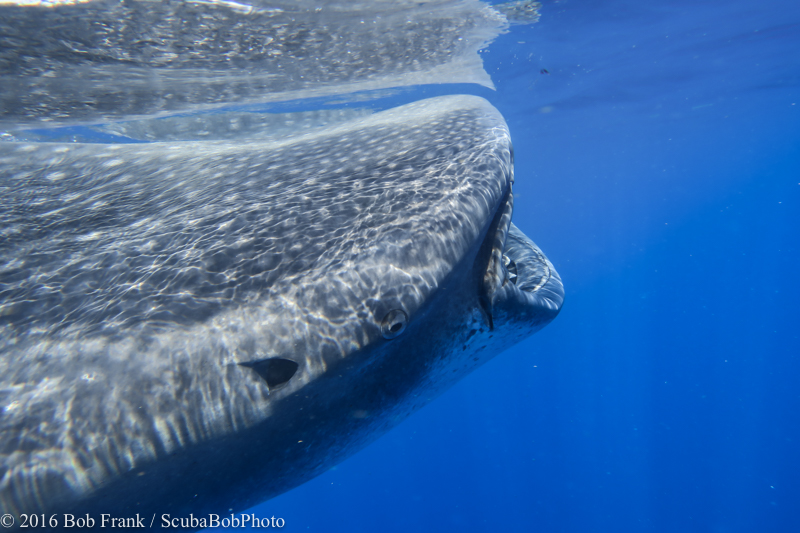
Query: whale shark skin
x=200, y=326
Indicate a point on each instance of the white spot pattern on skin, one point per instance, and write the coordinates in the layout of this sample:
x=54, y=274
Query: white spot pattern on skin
x=260, y=55
x=163, y=269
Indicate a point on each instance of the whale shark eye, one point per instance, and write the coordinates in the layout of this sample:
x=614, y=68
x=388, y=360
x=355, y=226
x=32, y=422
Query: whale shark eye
x=275, y=371
x=511, y=268
x=394, y=323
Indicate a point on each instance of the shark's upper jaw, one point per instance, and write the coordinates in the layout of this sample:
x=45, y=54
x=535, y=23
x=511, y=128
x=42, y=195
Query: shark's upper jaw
x=496, y=275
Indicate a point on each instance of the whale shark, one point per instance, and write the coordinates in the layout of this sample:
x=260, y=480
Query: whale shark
x=203, y=325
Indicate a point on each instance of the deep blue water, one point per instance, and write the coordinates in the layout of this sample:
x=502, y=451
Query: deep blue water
x=658, y=166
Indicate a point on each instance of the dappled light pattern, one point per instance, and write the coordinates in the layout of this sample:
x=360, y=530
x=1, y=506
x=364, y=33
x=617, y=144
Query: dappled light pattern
x=135, y=279
x=110, y=59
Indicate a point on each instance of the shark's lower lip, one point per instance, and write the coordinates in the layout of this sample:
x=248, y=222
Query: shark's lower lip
x=537, y=286
x=532, y=269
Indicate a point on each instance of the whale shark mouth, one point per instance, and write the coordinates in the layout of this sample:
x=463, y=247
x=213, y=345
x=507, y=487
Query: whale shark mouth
x=489, y=262
x=513, y=267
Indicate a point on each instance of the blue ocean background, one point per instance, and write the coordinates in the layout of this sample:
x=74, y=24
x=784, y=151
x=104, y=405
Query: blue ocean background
x=658, y=166
x=657, y=151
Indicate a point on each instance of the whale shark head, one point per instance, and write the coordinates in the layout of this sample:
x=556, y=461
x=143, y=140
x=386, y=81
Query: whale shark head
x=204, y=325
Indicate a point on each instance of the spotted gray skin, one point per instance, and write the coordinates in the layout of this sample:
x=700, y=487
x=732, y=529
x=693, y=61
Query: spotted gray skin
x=111, y=59
x=142, y=285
